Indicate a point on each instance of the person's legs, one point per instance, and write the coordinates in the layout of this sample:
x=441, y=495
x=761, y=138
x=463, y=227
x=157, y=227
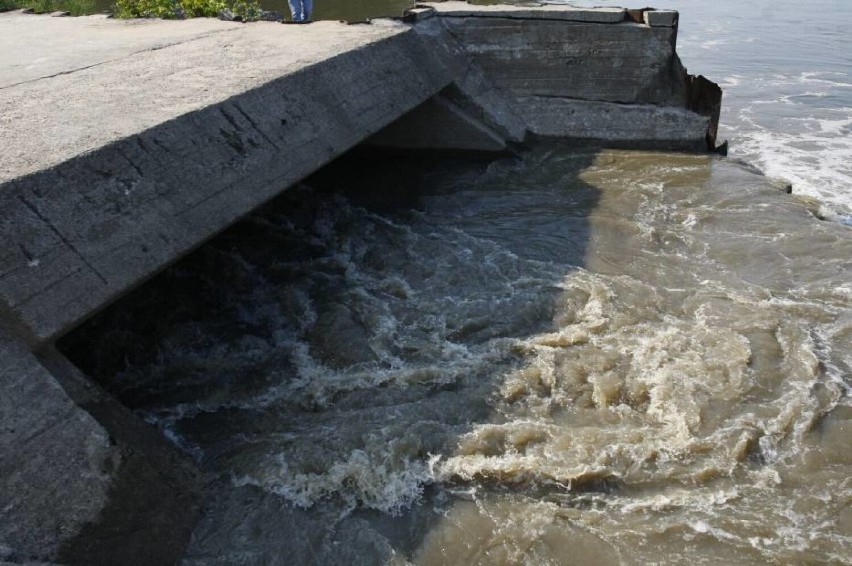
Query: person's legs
x=297, y=10
x=308, y=6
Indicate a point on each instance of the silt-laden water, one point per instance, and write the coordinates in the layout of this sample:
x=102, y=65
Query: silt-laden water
x=560, y=358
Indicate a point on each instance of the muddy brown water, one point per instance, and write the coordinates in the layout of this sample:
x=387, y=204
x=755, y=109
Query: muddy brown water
x=564, y=357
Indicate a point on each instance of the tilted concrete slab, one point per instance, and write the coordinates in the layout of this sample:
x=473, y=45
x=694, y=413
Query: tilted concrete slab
x=56, y=460
x=161, y=70
x=148, y=144
x=181, y=142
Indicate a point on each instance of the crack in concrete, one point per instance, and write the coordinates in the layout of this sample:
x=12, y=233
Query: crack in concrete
x=108, y=61
x=131, y=162
x=62, y=237
x=617, y=102
x=255, y=125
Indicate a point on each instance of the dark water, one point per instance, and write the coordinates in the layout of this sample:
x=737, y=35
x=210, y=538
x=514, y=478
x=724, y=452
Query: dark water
x=617, y=357
x=561, y=358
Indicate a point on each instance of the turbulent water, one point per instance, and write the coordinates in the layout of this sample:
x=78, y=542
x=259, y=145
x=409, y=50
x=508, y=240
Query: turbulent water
x=562, y=357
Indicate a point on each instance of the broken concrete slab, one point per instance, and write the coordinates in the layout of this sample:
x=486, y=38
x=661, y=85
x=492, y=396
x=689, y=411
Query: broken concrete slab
x=57, y=462
x=615, y=125
x=661, y=18
x=208, y=139
x=628, y=63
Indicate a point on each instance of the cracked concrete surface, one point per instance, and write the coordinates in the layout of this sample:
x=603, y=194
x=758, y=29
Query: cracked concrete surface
x=71, y=85
x=54, y=46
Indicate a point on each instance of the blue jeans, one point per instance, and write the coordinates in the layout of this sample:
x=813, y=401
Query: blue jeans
x=301, y=10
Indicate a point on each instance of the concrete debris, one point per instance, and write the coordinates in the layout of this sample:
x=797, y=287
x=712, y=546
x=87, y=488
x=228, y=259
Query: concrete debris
x=661, y=18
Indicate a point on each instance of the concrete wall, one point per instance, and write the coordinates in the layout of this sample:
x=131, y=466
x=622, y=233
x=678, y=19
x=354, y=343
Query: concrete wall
x=610, y=61
x=56, y=459
x=605, y=76
x=118, y=162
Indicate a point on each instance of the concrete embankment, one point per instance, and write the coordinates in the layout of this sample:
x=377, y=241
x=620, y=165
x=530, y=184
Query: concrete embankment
x=125, y=145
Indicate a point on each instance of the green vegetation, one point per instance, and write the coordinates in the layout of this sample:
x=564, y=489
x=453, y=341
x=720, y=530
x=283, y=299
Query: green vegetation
x=75, y=7
x=247, y=10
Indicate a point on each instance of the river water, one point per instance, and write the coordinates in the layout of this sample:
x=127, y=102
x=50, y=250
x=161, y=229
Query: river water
x=786, y=71
x=563, y=357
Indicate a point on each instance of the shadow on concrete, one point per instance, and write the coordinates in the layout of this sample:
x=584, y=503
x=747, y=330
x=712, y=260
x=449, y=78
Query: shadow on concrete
x=366, y=312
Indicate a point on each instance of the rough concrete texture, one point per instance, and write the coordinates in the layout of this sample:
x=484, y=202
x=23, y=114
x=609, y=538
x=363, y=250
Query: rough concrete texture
x=56, y=459
x=130, y=75
x=62, y=45
x=660, y=18
x=625, y=125
x=542, y=12
x=156, y=491
x=628, y=63
x=190, y=138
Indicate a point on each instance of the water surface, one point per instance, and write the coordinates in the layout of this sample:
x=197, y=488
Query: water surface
x=604, y=358
x=786, y=71
x=560, y=358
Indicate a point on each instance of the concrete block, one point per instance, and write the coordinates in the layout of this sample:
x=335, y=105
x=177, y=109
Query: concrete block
x=418, y=14
x=661, y=18
x=616, y=125
x=55, y=473
x=624, y=63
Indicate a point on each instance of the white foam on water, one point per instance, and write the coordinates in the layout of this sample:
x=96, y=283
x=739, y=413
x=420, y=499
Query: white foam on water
x=818, y=78
x=802, y=133
x=815, y=159
x=362, y=479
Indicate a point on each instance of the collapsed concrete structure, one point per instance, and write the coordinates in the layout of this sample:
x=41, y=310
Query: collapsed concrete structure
x=152, y=137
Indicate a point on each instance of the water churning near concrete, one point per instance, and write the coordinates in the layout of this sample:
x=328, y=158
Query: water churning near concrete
x=564, y=357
